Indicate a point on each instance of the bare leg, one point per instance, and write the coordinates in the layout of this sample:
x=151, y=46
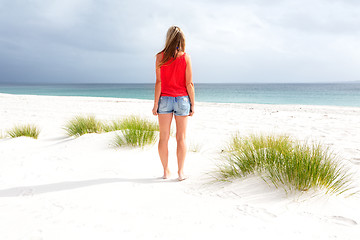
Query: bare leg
x=181, y=124
x=164, y=126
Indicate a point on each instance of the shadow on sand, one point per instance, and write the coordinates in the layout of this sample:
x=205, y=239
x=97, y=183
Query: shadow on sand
x=62, y=186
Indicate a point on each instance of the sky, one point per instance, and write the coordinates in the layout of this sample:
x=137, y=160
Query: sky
x=244, y=41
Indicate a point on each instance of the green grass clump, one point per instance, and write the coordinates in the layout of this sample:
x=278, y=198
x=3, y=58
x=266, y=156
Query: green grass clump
x=81, y=125
x=285, y=163
x=194, y=147
x=136, y=131
x=27, y=130
x=114, y=125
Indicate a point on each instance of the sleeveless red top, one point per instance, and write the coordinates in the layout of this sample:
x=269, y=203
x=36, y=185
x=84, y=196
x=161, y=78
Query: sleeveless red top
x=173, y=80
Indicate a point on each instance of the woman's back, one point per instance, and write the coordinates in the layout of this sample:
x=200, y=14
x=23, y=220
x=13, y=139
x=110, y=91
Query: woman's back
x=173, y=78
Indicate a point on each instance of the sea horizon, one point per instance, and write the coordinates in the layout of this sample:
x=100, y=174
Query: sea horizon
x=328, y=94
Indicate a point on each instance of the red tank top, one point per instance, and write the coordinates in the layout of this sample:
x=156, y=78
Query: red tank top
x=173, y=80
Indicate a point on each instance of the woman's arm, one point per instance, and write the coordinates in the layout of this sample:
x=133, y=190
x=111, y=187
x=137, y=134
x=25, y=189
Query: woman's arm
x=157, y=86
x=189, y=84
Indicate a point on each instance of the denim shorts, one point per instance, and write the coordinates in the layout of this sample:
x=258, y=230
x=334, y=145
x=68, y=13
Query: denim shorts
x=180, y=106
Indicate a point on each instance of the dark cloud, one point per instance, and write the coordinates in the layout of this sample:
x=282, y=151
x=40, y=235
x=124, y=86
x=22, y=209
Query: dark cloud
x=115, y=41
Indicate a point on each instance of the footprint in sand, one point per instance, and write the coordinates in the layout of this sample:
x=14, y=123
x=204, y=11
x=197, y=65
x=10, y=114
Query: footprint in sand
x=255, y=212
x=343, y=221
x=27, y=192
x=355, y=161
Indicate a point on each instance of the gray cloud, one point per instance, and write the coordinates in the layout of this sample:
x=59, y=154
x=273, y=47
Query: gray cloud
x=229, y=41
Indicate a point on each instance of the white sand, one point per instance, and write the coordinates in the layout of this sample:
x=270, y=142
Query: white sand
x=64, y=188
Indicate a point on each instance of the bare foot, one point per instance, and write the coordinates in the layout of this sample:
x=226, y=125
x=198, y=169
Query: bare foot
x=166, y=174
x=182, y=177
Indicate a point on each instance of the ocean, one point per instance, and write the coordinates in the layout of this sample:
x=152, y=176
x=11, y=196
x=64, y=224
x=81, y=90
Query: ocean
x=334, y=94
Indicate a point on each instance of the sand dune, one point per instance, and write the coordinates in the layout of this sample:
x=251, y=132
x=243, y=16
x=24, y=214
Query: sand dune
x=58, y=187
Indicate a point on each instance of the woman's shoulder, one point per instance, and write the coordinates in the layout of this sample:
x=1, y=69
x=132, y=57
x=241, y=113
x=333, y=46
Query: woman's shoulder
x=187, y=57
x=183, y=55
x=159, y=55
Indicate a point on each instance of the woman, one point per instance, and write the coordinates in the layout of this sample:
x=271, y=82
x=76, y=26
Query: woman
x=174, y=95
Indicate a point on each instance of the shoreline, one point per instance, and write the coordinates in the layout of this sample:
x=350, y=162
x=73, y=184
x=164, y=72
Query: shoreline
x=329, y=94
x=197, y=102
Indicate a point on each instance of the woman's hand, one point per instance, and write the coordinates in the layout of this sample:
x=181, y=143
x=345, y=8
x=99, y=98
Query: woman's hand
x=192, y=110
x=154, y=110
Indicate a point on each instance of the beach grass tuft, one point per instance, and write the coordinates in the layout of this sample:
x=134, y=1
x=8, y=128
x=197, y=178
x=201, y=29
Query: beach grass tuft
x=137, y=131
x=285, y=163
x=81, y=125
x=26, y=130
x=194, y=147
x=114, y=125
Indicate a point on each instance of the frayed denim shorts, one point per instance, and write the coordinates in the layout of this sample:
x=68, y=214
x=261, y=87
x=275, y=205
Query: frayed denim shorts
x=180, y=106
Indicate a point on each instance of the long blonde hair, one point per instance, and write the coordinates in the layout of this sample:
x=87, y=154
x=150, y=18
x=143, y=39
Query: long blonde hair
x=175, y=42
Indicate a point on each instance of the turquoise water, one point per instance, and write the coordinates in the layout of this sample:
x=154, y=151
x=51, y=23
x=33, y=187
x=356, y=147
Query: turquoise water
x=308, y=94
